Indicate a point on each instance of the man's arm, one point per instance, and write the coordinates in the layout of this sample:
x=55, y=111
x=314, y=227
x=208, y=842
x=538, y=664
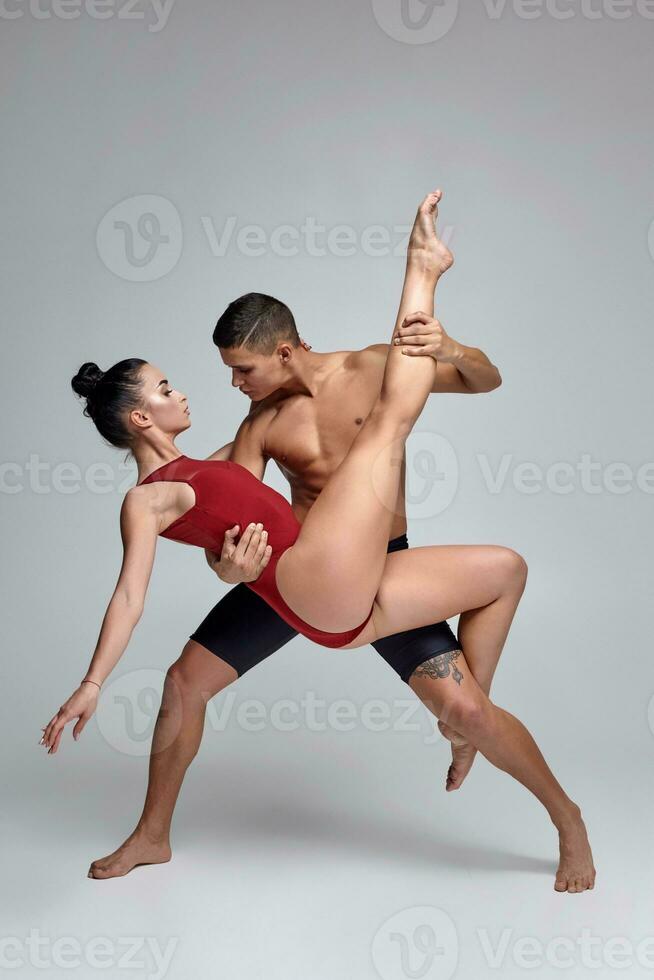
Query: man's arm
x=249, y=443
x=459, y=369
x=244, y=561
x=224, y=453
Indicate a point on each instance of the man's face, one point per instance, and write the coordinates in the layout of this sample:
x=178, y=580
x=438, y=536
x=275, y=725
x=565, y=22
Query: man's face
x=256, y=375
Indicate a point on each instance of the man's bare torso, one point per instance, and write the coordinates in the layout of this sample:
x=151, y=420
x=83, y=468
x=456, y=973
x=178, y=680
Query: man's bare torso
x=309, y=435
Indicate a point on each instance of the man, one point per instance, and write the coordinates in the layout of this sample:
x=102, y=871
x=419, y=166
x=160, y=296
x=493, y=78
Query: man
x=306, y=410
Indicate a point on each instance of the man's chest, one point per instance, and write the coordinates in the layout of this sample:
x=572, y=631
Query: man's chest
x=310, y=436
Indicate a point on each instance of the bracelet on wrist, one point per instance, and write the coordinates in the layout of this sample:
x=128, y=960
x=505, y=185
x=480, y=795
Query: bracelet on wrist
x=87, y=680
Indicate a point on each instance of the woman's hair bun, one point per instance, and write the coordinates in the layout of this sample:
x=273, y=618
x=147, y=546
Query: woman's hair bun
x=86, y=379
x=110, y=403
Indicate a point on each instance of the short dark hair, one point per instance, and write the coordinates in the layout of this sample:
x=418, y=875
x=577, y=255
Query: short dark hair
x=256, y=321
x=110, y=396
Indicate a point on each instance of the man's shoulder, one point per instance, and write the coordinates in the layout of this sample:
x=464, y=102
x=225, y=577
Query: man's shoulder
x=261, y=413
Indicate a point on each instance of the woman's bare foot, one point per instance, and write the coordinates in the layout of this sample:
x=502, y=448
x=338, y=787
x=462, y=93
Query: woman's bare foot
x=463, y=756
x=576, y=872
x=426, y=251
x=137, y=849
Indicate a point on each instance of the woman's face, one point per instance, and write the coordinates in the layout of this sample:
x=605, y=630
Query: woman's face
x=164, y=406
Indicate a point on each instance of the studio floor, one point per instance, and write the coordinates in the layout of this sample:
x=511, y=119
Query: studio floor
x=321, y=856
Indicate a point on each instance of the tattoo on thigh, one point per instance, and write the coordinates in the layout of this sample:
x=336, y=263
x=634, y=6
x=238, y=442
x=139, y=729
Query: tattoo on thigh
x=439, y=666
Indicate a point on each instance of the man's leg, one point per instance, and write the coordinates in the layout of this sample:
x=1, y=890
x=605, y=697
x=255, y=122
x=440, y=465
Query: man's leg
x=447, y=687
x=451, y=692
x=481, y=637
x=482, y=634
x=239, y=632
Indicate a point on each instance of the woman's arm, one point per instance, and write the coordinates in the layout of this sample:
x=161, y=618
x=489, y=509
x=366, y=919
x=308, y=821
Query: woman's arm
x=139, y=526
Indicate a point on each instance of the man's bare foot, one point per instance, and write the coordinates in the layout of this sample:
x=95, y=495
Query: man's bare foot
x=426, y=251
x=463, y=756
x=576, y=872
x=137, y=849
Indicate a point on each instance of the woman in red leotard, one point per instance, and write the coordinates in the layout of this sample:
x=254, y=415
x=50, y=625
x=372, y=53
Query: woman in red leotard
x=228, y=494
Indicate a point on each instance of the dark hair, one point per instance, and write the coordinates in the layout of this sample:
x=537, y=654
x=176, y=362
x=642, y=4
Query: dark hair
x=256, y=321
x=110, y=395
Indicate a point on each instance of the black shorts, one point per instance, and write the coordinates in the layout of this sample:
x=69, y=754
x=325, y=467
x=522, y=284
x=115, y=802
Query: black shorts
x=243, y=630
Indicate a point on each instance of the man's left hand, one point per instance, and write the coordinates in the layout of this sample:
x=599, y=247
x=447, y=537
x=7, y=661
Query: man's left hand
x=420, y=335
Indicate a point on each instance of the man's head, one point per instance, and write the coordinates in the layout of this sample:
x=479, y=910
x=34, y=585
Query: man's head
x=257, y=338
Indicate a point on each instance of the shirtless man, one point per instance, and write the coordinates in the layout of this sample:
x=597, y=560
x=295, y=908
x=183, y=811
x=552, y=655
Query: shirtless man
x=305, y=412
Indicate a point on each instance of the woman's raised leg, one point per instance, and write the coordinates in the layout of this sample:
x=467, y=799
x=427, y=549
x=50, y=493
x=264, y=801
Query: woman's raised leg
x=342, y=545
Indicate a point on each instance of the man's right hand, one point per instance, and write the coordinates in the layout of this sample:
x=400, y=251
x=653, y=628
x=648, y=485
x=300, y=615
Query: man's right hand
x=242, y=562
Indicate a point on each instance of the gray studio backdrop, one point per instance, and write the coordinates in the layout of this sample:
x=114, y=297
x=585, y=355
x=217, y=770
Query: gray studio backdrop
x=161, y=159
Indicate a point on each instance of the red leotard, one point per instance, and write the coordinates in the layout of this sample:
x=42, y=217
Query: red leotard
x=227, y=494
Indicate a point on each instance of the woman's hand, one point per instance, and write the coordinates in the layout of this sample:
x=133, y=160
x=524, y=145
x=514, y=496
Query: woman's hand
x=81, y=705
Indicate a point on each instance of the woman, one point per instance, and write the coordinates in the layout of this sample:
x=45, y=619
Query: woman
x=327, y=576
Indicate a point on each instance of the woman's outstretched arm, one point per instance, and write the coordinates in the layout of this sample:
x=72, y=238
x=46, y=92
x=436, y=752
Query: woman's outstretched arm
x=138, y=527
